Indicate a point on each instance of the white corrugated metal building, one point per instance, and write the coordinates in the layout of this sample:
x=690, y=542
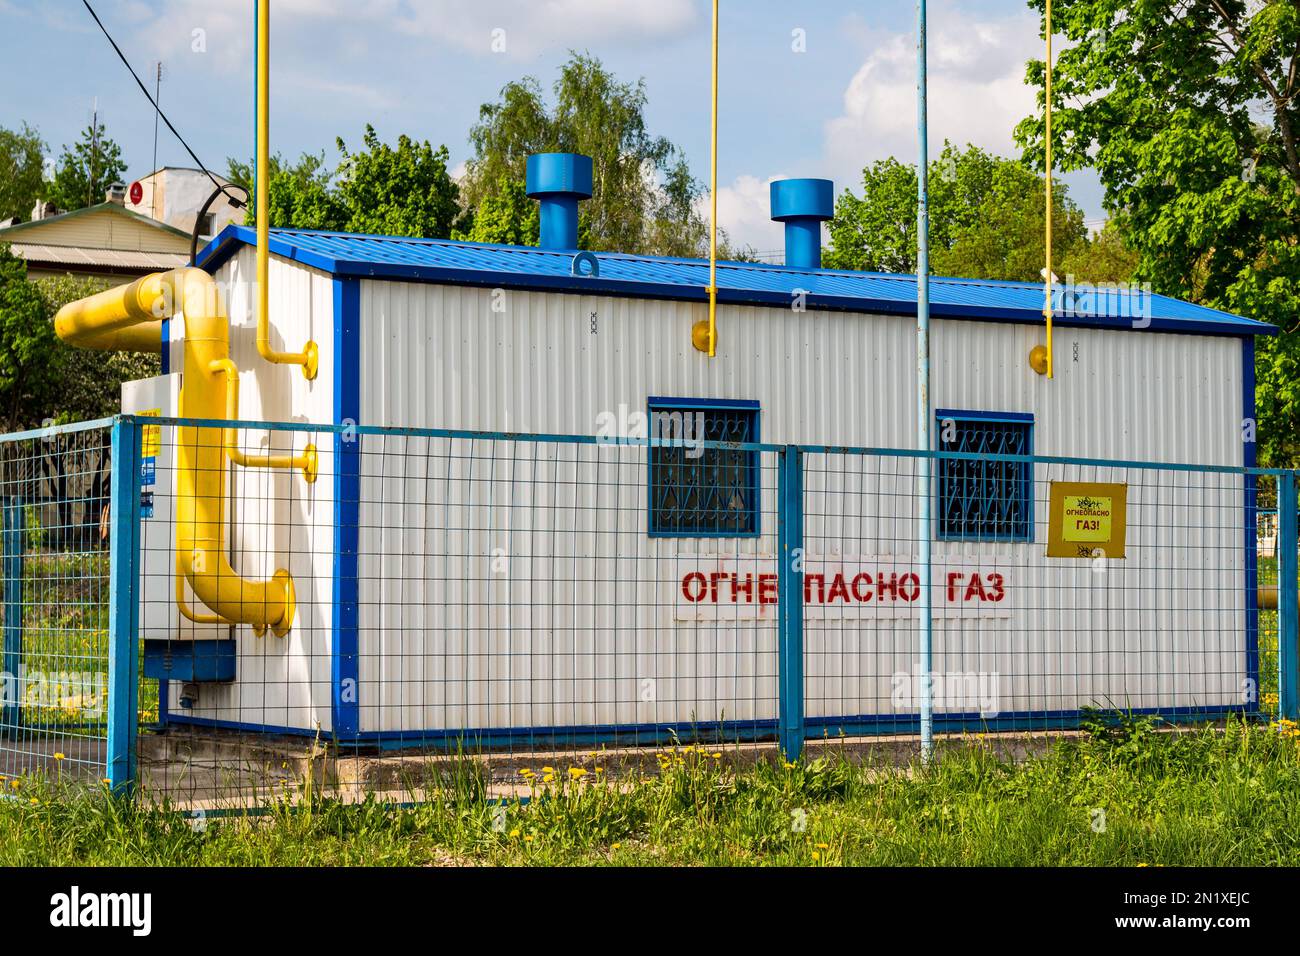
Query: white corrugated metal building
x=456, y=335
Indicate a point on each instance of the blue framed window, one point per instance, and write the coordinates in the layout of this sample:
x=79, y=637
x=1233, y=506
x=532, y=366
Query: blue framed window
x=983, y=499
x=703, y=492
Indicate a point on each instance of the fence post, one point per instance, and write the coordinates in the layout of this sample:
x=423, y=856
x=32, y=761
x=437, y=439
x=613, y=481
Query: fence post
x=1288, y=610
x=11, y=568
x=790, y=720
x=124, y=606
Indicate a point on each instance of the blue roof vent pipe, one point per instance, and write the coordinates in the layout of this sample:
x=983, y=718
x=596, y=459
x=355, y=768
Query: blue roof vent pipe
x=803, y=205
x=559, y=181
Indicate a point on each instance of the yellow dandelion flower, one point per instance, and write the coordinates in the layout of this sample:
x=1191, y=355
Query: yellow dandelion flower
x=60, y=756
x=548, y=770
x=14, y=784
x=576, y=772
x=529, y=838
x=823, y=846
x=816, y=855
x=514, y=833
x=716, y=756
x=615, y=846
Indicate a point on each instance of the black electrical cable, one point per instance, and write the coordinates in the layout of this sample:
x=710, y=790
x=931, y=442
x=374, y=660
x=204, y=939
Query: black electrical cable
x=238, y=204
x=203, y=211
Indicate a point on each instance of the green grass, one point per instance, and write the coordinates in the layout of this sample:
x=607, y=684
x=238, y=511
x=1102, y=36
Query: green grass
x=1204, y=798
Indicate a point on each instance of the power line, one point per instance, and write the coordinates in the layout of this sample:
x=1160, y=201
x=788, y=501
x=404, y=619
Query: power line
x=238, y=204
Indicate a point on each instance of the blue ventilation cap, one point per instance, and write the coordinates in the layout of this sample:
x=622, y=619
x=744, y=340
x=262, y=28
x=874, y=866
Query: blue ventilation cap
x=803, y=204
x=558, y=181
x=550, y=174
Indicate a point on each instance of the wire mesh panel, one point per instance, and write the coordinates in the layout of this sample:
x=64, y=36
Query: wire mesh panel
x=1025, y=637
x=453, y=594
x=54, y=570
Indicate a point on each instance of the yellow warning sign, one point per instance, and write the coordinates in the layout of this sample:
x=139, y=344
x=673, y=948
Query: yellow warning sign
x=1088, y=519
x=151, y=435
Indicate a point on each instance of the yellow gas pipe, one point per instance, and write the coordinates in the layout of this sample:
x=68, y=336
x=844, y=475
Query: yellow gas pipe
x=112, y=320
x=704, y=336
x=1041, y=357
x=308, y=462
x=309, y=357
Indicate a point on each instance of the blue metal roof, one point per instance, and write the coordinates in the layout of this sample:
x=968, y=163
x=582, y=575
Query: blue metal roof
x=525, y=267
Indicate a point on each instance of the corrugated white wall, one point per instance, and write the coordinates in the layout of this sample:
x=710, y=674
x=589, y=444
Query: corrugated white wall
x=442, y=356
x=277, y=519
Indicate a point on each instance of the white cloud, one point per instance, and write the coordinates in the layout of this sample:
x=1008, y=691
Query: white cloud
x=977, y=92
x=745, y=212
x=977, y=95
x=521, y=30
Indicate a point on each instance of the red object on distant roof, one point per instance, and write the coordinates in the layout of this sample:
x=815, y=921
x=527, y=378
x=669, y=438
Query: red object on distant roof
x=137, y=193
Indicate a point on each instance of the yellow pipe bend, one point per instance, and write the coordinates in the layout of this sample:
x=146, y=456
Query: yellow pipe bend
x=308, y=462
x=102, y=321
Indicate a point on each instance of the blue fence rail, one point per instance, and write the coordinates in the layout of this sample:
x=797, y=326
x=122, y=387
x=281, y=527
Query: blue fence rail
x=513, y=593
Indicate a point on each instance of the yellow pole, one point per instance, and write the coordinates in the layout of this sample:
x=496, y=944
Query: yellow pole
x=308, y=358
x=1047, y=308
x=713, y=200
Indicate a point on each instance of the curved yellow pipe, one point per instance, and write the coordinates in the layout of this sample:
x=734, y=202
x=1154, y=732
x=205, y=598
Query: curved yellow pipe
x=309, y=357
x=200, y=452
x=184, y=605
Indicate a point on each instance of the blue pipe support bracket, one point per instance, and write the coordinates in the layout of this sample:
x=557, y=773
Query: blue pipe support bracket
x=558, y=181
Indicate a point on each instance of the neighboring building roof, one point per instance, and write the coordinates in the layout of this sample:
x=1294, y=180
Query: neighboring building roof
x=471, y=263
x=105, y=207
x=74, y=258
x=98, y=240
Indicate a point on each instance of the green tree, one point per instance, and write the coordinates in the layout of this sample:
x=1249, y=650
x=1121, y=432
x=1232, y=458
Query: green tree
x=1106, y=257
x=505, y=216
x=301, y=195
x=986, y=219
x=644, y=196
x=30, y=358
x=86, y=170
x=22, y=157
x=1190, y=113
x=402, y=191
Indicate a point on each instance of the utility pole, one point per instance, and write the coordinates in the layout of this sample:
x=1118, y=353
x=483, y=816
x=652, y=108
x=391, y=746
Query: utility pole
x=94, y=152
x=924, y=463
x=153, y=187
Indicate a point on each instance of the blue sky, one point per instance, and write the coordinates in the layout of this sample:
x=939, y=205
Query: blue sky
x=423, y=67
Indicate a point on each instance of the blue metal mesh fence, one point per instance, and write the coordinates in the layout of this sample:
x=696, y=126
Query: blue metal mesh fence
x=359, y=610
x=54, y=487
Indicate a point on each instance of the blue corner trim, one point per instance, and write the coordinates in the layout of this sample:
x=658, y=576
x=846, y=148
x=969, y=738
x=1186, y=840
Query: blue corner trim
x=345, y=672
x=165, y=346
x=1250, y=527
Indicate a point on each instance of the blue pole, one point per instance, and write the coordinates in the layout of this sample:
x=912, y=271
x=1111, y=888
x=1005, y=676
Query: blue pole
x=789, y=591
x=1288, y=593
x=12, y=571
x=123, y=606
x=923, y=384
